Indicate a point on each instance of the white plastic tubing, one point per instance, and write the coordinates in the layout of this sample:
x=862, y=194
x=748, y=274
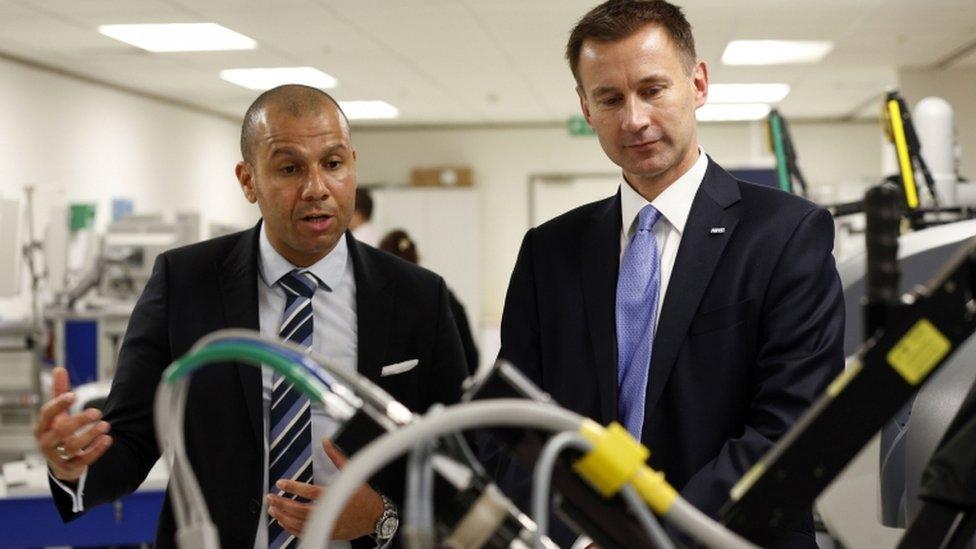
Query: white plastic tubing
x=488, y=413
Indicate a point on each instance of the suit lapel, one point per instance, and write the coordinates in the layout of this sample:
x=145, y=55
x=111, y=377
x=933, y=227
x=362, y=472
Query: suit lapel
x=600, y=258
x=237, y=276
x=375, y=304
x=698, y=254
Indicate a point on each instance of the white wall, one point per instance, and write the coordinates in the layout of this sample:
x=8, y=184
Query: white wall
x=82, y=142
x=958, y=87
x=837, y=159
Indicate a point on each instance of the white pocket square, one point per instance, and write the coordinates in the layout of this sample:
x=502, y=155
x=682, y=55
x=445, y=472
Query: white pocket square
x=399, y=367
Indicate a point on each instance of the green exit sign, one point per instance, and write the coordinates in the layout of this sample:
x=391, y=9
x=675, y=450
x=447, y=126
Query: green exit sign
x=577, y=125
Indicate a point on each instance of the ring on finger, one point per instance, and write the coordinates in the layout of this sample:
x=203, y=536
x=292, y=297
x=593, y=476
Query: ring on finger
x=62, y=452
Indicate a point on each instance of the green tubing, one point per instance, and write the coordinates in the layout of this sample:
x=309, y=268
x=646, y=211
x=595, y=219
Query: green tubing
x=249, y=354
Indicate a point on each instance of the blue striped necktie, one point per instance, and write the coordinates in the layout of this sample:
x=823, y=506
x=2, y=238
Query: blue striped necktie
x=638, y=286
x=290, y=439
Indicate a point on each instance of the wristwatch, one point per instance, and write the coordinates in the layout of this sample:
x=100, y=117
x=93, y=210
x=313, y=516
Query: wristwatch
x=389, y=521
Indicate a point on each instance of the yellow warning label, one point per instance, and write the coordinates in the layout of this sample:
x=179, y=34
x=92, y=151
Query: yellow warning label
x=919, y=351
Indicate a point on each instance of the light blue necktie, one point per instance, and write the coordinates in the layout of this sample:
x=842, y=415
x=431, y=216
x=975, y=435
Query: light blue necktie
x=290, y=439
x=638, y=286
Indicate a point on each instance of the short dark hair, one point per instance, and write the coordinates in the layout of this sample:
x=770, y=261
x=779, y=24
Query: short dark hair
x=296, y=99
x=618, y=19
x=399, y=243
x=364, y=203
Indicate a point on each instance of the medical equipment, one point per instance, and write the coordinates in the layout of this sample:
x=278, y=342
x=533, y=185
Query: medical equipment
x=787, y=169
x=312, y=375
x=329, y=386
x=907, y=343
x=901, y=132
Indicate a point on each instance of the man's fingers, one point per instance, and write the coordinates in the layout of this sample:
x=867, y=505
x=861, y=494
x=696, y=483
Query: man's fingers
x=308, y=491
x=334, y=453
x=59, y=381
x=52, y=435
x=289, y=513
x=65, y=426
x=63, y=429
x=76, y=444
x=291, y=524
x=72, y=469
x=94, y=451
x=50, y=410
x=290, y=507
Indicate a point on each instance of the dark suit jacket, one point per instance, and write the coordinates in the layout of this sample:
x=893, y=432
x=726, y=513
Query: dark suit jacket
x=464, y=330
x=750, y=332
x=402, y=314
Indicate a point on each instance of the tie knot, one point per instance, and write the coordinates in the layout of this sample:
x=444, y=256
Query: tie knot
x=299, y=283
x=647, y=217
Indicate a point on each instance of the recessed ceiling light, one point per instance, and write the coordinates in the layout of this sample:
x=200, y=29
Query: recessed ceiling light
x=368, y=110
x=171, y=37
x=267, y=78
x=775, y=52
x=747, y=93
x=732, y=112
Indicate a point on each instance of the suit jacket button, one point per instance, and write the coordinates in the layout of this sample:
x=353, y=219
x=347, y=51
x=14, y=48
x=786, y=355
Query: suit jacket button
x=254, y=506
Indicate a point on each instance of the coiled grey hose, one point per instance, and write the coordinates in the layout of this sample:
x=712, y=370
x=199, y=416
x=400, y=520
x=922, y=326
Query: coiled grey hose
x=459, y=417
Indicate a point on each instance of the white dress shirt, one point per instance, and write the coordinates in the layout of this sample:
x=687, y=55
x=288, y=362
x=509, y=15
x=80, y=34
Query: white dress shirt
x=335, y=336
x=674, y=203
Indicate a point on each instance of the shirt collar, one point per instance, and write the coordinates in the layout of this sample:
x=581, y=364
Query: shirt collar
x=674, y=202
x=328, y=270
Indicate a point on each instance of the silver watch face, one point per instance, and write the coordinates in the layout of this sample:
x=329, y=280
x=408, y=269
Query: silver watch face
x=388, y=527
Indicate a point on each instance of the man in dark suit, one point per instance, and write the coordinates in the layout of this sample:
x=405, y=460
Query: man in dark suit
x=702, y=312
x=360, y=307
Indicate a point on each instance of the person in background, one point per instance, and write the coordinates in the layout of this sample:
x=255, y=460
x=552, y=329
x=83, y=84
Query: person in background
x=361, y=223
x=399, y=243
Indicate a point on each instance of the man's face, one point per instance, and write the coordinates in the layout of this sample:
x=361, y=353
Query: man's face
x=303, y=177
x=641, y=102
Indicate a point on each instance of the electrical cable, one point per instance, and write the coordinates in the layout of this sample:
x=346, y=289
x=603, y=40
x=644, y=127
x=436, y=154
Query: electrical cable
x=418, y=521
x=646, y=518
x=705, y=530
x=420, y=528
x=458, y=445
x=542, y=478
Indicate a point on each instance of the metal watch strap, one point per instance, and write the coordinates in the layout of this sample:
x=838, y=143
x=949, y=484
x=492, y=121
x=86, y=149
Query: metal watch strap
x=389, y=511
